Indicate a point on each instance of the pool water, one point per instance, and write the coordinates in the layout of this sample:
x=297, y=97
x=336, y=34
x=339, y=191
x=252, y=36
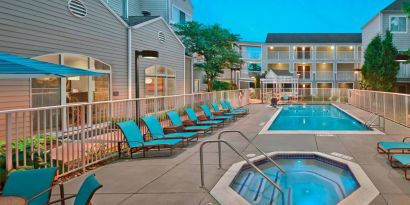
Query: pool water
x=306, y=182
x=315, y=118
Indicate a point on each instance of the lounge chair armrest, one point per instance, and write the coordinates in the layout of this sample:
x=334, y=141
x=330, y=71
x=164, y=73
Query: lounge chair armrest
x=404, y=139
x=188, y=123
x=121, y=142
x=218, y=113
x=39, y=194
x=202, y=118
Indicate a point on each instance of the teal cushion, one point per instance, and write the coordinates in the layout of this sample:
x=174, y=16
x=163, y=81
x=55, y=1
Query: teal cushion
x=404, y=159
x=131, y=133
x=212, y=122
x=163, y=142
x=394, y=145
x=223, y=117
x=181, y=135
x=198, y=128
x=87, y=190
x=27, y=184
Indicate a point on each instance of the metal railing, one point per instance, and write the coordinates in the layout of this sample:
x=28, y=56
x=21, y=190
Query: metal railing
x=345, y=76
x=278, y=55
x=345, y=55
x=392, y=106
x=75, y=136
x=325, y=55
x=324, y=75
x=250, y=142
x=201, y=160
x=303, y=55
x=307, y=95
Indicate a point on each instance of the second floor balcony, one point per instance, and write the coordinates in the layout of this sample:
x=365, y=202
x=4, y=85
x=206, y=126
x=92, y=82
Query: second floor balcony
x=345, y=55
x=278, y=55
x=348, y=76
x=324, y=75
x=325, y=55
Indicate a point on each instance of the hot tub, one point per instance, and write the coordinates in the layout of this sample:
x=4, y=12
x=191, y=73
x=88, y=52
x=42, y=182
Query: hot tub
x=310, y=178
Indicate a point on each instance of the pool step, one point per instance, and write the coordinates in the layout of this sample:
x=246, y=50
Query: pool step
x=257, y=190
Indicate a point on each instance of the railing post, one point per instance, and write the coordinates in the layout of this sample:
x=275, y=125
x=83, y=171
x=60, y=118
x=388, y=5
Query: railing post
x=83, y=163
x=9, y=156
x=407, y=109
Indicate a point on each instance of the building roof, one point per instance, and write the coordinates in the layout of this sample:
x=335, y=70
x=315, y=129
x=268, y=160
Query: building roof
x=396, y=5
x=314, y=38
x=135, y=20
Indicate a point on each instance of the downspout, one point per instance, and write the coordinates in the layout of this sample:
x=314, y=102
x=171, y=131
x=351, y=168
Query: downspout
x=130, y=63
x=125, y=10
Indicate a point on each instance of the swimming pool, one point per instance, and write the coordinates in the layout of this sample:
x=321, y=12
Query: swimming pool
x=308, y=119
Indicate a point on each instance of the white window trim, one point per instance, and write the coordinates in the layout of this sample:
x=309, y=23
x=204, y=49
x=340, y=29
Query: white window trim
x=172, y=10
x=398, y=16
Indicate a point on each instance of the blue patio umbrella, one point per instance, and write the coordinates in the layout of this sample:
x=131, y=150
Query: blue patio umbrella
x=12, y=66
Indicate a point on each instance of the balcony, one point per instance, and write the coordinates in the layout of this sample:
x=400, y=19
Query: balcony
x=345, y=76
x=324, y=55
x=278, y=55
x=304, y=75
x=303, y=55
x=345, y=55
x=324, y=75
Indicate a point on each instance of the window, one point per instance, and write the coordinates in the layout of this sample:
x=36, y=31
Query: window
x=159, y=81
x=253, y=53
x=179, y=17
x=197, y=85
x=398, y=24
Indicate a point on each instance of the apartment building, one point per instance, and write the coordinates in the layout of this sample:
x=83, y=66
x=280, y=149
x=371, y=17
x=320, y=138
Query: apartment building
x=315, y=60
x=392, y=18
x=92, y=35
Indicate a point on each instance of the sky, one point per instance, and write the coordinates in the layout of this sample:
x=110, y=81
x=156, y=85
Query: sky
x=253, y=19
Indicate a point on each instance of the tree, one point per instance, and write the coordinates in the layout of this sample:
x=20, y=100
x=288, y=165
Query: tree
x=380, y=68
x=213, y=43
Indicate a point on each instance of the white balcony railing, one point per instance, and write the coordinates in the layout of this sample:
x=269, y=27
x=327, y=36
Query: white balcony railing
x=278, y=55
x=303, y=55
x=345, y=55
x=324, y=75
x=324, y=55
x=345, y=76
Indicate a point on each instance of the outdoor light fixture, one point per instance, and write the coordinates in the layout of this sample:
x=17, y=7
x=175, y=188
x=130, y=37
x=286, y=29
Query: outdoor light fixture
x=271, y=47
x=351, y=47
x=332, y=47
x=147, y=54
x=402, y=58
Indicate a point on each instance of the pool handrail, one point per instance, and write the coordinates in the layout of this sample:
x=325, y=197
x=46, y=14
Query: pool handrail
x=201, y=160
x=250, y=142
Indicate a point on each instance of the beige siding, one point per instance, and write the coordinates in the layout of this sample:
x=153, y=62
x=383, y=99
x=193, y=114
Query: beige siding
x=171, y=52
x=156, y=7
x=370, y=30
x=34, y=27
x=400, y=40
x=184, y=5
x=134, y=7
x=116, y=5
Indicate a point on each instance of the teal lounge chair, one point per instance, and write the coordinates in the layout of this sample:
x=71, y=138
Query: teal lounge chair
x=85, y=193
x=32, y=185
x=234, y=113
x=391, y=148
x=224, y=111
x=403, y=161
x=176, y=121
x=157, y=132
x=192, y=116
x=135, y=140
x=211, y=116
x=229, y=106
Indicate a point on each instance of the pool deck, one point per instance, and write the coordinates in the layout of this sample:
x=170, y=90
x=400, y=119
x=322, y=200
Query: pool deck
x=176, y=179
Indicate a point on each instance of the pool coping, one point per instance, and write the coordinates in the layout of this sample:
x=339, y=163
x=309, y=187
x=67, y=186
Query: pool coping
x=365, y=194
x=265, y=130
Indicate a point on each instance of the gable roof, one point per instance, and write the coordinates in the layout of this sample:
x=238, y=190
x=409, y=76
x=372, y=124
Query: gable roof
x=135, y=20
x=282, y=73
x=314, y=38
x=396, y=5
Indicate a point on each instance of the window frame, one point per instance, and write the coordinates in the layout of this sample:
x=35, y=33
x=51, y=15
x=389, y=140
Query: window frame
x=397, y=16
x=171, y=20
x=157, y=75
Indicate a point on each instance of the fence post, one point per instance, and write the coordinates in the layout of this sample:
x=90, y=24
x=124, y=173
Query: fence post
x=9, y=156
x=407, y=109
x=83, y=164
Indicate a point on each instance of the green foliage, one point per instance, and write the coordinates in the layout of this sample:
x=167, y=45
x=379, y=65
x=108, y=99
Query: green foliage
x=220, y=85
x=214, y=44
x=380, y=68
x=406, y=8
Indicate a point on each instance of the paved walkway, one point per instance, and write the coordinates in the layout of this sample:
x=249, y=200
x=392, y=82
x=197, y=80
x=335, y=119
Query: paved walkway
x=175, y=180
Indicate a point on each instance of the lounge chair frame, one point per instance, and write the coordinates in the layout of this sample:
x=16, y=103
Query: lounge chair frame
x=405, y=167
x=392, y=151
